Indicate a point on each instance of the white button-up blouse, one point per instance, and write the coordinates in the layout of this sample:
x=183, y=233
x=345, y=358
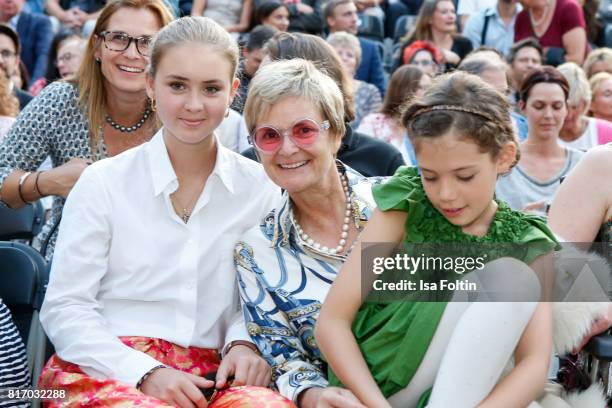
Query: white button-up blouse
x=126, y=265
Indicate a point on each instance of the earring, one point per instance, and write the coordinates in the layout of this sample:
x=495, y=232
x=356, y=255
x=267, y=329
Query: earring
x=153, y=104
x=227, y=113
x=98, y=59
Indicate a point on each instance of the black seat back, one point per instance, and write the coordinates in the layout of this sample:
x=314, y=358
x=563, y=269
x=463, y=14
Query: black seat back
x=24, y=275
x=372, y=28
x=23, y=223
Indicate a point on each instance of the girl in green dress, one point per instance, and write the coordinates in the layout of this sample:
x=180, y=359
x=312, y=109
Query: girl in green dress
x=443, y=354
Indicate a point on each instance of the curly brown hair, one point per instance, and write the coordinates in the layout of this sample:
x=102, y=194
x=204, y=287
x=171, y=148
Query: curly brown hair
x=9, y=105
x=463, y=103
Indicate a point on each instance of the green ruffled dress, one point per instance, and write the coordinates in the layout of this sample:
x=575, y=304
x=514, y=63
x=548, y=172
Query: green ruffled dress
x=393, y=337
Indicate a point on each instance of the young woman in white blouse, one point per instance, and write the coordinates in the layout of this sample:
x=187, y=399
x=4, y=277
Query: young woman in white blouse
x=142, y=293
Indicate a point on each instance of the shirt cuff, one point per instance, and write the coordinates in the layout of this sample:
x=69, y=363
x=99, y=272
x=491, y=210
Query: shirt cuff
x=132, y=368
x=235, y=332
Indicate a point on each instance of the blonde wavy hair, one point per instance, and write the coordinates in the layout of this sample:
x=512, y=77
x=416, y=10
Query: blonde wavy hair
x=580, y=90
x=595, y=56
x=9, y=105
x=90, y=81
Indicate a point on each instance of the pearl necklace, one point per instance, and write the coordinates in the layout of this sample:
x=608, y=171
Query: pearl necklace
x=345, y=226
x=128, y=129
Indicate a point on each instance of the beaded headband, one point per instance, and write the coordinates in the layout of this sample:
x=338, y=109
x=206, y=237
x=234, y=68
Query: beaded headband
x=456, y=108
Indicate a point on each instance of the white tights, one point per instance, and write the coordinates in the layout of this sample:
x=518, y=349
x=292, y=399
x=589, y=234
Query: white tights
x=474, y=341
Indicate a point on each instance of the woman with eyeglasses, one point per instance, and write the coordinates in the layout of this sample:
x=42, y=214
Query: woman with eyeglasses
x=423, y=54
x=286, y=264
x=65, y=57
x=102, y=111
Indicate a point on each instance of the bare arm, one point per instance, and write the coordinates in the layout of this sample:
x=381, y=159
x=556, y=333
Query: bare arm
x=245, y=18
x=198, y=7
x=341, y=305
x=584, y=199
x=574, y=42
x=54, y=9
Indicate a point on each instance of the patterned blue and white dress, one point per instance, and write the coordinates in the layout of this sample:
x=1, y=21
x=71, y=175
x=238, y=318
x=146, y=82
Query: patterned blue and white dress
x=52, y=125
x=283, y=282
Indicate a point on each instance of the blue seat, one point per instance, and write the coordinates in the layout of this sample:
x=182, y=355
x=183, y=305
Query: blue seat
x=24, y=275
x=24, y=223
x=371, y=27
x=608, y=34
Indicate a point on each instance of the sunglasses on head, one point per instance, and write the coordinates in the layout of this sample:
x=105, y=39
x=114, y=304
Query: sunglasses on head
x=303, y=133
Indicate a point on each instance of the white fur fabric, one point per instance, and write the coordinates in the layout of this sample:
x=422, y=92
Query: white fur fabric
x=579, y=276
x=572, y=321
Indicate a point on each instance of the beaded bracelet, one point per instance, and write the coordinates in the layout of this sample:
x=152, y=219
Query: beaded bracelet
x=147, y=375
x=22, y=180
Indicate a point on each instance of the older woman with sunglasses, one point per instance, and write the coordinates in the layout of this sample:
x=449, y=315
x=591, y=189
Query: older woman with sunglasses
x=102, y=112
x=286, y=264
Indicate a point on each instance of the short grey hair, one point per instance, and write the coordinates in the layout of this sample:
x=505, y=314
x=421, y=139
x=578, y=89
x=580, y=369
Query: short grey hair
x=580, y=89
x=341, y=38
x=202, y=30
x=298, y=78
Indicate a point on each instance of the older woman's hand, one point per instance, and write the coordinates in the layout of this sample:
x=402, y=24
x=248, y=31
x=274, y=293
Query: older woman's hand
x=246, y=366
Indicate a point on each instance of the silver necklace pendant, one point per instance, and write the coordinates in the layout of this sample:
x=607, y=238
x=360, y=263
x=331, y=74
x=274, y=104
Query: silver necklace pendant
x=185, y=217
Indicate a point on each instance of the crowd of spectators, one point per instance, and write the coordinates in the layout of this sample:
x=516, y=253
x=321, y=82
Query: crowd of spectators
x=75, y=86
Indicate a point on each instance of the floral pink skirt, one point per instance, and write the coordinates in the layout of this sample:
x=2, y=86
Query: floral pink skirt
x=84, y=391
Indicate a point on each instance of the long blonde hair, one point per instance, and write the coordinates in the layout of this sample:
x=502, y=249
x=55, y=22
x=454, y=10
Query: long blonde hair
x=92, y=98
x=9, y=105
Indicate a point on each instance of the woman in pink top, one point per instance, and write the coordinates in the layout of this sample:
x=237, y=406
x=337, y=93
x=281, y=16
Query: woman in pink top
x=558, y=25
x=406, y=81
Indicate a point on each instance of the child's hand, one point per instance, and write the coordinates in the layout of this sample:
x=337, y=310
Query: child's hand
x=334, y=397
x=176, y=387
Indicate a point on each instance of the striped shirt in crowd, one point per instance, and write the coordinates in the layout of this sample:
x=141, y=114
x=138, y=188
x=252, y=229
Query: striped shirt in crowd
x=13, y=362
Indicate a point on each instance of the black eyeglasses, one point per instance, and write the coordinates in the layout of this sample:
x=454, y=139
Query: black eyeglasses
x=6, y=54
x=120, y=41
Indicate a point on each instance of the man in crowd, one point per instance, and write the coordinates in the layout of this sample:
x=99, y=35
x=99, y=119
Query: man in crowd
x=523, y=57
x=252, y=55
x=466, y=8
x=9, y=60
x=492, y=68
x=341, y=15
x=35, y=35
x=493, y=26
